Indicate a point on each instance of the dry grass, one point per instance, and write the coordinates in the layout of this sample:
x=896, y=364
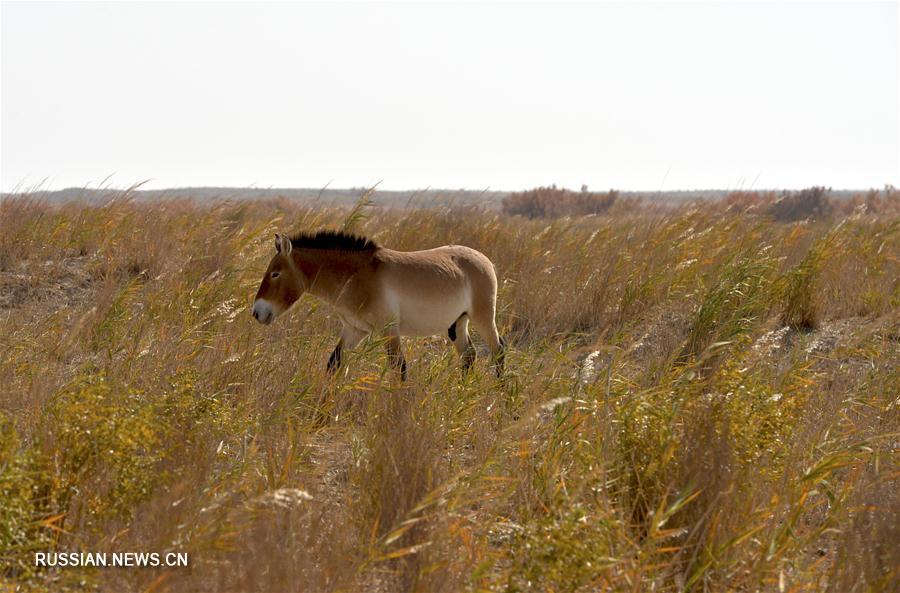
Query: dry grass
x=699, y=398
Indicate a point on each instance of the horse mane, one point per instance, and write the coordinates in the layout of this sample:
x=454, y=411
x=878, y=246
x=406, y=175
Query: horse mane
x=333, y=240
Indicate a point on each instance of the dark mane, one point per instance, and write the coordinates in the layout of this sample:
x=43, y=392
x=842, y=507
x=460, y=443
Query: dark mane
x=334, y=240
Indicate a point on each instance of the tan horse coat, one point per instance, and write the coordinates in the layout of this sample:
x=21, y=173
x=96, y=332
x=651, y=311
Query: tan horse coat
x=394, y=293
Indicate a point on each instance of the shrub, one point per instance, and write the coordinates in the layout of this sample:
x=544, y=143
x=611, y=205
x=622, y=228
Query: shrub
x=550, y=202
x=810, y=203
x=110, y=443
x=733, y=305
x=801, y=295
x=27, y=517
x=886, y=201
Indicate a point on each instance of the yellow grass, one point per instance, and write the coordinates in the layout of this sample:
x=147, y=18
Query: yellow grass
x=698, y=398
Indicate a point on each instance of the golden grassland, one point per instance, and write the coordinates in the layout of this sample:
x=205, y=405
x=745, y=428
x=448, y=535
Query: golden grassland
x=698, y=398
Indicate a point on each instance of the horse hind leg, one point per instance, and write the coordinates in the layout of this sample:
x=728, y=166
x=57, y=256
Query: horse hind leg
x=487, y=328
x=334, y=361
x=501, y=355
x=459, y=335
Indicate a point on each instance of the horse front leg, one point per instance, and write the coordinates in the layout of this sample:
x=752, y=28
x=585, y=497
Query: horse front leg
x=350, y=337
x=395, y=353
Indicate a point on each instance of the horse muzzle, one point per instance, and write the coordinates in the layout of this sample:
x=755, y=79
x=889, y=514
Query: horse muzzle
x=263, y=311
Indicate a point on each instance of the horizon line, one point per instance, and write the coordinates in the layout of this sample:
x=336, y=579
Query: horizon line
x=136, y=188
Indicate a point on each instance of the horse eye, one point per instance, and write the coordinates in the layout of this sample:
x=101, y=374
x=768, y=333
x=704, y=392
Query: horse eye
x=276, y=274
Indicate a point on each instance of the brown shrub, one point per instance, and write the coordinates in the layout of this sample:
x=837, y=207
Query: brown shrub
x=551, y=202
x=886, y=201
x=810, y=203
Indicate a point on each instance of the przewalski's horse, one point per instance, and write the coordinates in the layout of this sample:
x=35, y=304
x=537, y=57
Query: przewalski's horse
x=393, y=293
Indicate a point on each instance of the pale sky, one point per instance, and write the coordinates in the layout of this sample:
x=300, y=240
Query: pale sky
x=632, y=96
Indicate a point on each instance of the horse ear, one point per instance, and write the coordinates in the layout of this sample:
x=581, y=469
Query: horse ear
x=286, y=245
x=277, y=243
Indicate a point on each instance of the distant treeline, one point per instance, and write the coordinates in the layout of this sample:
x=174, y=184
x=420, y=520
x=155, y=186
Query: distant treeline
x=325, y=196
x=541, y=202
x=787, y=205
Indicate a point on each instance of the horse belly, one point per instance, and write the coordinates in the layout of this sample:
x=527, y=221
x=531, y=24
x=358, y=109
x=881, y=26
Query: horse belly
x=419, y=316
